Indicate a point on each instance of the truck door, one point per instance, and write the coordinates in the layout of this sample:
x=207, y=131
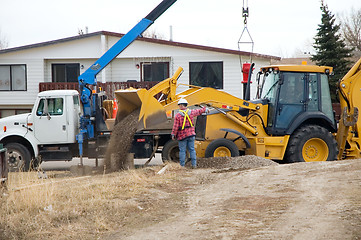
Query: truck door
x=291, y=100
x=50, y=123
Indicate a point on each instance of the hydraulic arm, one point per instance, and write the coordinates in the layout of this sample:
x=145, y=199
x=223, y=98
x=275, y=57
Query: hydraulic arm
x=349, y=125
x=153, y=111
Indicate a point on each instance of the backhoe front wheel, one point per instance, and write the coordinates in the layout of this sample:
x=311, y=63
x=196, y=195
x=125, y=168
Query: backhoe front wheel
x=222, y=147
x=311, y=143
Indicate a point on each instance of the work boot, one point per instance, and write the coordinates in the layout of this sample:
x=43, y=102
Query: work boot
x=194, y=167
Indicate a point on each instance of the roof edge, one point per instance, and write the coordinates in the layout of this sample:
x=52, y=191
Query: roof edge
x=145, y=39
x=47, y=43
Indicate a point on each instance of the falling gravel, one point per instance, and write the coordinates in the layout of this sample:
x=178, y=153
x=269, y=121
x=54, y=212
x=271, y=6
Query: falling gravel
x=236, y=163
x=121, y=141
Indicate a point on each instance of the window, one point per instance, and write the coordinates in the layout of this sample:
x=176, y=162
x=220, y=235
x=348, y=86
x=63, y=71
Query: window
x=65, y=72
x=206, y=74
x=13, y=77
x=291, y=99
x=76, y=100
x=313, y=92
x=269, y=91
x=326, y=97
x=51, y=106
x=155, y=71
x=292, y=88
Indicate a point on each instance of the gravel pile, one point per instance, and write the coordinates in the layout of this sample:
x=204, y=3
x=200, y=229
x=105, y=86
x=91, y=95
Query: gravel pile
x=239, y=163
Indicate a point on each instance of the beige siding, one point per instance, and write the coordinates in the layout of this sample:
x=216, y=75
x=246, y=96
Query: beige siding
x=124, y=69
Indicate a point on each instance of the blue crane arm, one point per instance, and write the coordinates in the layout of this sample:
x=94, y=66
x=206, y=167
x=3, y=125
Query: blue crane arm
x=88, y=119
x=89, y=76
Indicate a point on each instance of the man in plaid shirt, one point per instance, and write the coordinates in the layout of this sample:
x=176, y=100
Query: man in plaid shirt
x=183, y=131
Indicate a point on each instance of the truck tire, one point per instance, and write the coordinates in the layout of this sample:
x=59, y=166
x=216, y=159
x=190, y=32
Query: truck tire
x=170, y=151
x=19, y=157
x=222, y=147
x=311, y=143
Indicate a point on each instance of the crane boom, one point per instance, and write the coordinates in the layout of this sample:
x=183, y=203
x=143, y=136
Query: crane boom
x=89, y=101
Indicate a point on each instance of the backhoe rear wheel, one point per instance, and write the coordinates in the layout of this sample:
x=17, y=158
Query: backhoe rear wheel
x=311, y=143
x=222, y=147
x=170, y=151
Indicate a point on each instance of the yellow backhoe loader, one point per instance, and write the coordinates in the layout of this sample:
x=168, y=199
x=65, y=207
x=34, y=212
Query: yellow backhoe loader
x=291, y=119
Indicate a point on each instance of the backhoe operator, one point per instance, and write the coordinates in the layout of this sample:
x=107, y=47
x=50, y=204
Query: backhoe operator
x=183, y=131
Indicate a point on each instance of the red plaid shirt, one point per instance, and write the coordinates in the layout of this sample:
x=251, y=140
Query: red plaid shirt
x=188, y=129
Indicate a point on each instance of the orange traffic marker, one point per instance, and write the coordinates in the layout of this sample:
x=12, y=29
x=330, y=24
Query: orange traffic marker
x=115, y=108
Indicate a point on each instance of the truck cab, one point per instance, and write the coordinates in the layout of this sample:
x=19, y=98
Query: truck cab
x=55, y=117
x=49, y=130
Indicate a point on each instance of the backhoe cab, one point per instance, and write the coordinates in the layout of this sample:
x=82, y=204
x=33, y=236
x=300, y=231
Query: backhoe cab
x=299, y=106
x=296, y=95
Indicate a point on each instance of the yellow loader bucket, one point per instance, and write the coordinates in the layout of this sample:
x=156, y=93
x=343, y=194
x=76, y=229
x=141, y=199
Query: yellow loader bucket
x=151, y=111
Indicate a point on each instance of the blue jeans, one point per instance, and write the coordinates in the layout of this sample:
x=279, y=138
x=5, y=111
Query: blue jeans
x=183, y=145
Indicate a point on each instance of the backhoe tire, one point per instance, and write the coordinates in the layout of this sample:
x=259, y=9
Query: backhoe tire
x=170, y=151
x=19, y=157
x=311, y=143
x=222, y=147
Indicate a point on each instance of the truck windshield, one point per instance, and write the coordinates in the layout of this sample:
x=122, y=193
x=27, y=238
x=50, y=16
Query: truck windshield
x=269, y=85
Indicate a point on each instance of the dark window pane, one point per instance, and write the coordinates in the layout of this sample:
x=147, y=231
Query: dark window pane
x=155, y=71
x=147, y=72
x=292, y=89
x=72, y=72
x=65, y=72
x=206, y=74
x=58, y=73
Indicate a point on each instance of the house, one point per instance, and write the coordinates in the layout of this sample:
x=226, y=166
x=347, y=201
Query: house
x=23, y=68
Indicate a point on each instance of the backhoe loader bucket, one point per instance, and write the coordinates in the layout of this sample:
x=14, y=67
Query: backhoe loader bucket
x=151, y=111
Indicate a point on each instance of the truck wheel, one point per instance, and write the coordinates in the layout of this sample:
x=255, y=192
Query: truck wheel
x=19, y=157
x=170, y=151
x=222, y=147
x=311, y=143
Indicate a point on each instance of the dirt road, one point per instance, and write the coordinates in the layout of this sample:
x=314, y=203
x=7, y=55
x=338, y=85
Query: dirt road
x=294, y=201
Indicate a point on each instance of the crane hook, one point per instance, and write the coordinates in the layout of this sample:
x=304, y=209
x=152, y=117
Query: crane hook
x=245, y=12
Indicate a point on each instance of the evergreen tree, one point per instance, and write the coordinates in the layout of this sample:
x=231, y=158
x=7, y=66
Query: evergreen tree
x=331, y=49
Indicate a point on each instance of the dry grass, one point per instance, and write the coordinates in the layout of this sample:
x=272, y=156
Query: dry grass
x=65, y=207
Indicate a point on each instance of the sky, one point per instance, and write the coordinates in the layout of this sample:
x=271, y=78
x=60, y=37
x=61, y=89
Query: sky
x=277, y=27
